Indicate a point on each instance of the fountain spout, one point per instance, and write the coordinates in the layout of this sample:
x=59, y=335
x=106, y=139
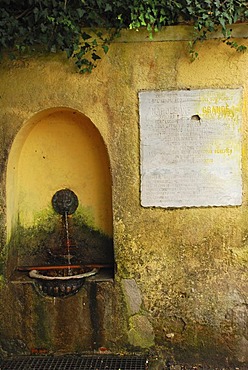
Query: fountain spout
x=62, y=281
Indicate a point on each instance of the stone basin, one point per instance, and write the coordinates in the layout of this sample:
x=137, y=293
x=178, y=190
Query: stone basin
x=62, y=282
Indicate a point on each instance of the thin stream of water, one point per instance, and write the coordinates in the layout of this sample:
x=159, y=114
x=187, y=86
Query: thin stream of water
x=68, y=243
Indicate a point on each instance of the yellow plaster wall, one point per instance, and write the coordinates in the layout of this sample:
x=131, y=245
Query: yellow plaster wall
x=59, y=149
x=190, y=264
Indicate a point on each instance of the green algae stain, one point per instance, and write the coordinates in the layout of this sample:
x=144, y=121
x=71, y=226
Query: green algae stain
x=2, y=282
x=141, y=332
x=84, y=216
x=46, y=240
x=42, y=327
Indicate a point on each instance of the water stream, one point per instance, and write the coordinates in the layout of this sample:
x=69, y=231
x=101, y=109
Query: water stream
x=68, y=242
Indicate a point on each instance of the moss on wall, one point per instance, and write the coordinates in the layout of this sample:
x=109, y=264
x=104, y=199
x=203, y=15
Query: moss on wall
x=45, y=242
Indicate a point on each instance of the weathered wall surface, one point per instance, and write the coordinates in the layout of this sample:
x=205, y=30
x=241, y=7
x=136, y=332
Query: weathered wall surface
x=181, y=282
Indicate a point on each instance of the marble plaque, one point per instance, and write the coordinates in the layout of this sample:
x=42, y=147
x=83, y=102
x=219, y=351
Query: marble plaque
x=190, y=148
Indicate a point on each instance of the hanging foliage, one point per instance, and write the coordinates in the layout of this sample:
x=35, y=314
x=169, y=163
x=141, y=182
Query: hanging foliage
x=55, y=25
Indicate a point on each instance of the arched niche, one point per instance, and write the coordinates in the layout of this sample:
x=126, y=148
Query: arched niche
x=56, y=149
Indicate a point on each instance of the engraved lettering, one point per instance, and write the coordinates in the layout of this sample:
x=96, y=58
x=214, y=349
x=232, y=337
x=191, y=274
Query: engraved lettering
x=189, y=162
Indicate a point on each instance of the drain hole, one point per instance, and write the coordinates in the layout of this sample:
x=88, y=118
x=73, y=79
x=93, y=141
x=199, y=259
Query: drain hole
x=195, y=117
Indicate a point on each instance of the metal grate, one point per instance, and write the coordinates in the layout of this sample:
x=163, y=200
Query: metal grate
x=104, y=362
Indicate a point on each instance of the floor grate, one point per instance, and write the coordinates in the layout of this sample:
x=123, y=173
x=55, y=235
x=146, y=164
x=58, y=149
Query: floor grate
x=104, y=362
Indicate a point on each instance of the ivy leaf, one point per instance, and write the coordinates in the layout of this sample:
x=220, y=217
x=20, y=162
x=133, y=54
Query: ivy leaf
x=43, y=28
x=222, y=22
x=80, y=12
x=108, y=7
x=105, y=48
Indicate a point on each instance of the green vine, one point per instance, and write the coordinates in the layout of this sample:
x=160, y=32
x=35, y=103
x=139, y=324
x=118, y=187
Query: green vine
x=53, y=25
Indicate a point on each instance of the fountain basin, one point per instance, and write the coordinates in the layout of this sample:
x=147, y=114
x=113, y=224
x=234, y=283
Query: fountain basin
x=62, y=282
